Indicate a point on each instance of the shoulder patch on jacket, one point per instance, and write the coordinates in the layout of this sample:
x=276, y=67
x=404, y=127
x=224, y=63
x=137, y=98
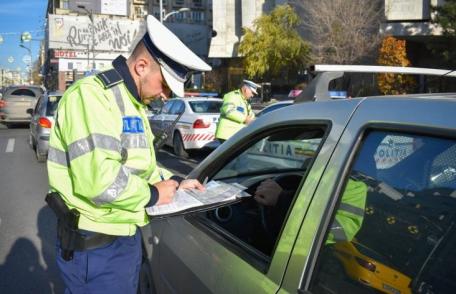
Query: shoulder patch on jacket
x=110, y=78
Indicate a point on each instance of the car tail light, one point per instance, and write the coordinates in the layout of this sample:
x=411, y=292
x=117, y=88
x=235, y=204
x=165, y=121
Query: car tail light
x=201, y=124
x=44, y=122
x=366, y=264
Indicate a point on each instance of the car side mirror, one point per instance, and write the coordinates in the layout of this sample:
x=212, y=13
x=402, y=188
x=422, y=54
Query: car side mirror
x=30, y=111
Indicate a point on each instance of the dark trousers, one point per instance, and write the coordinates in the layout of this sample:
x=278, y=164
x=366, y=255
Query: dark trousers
x=113, y=268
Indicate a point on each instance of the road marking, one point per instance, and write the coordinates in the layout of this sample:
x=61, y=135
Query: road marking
x=10, y=145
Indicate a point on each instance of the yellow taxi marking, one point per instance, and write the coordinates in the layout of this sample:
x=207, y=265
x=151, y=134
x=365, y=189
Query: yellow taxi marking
x=10, y=145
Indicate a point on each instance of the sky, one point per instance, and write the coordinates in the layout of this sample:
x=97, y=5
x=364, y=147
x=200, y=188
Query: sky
x=16, y=17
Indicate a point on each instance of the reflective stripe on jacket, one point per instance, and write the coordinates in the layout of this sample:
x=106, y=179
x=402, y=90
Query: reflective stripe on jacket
x=349, y=217
x=234, y=111
x=101, y=157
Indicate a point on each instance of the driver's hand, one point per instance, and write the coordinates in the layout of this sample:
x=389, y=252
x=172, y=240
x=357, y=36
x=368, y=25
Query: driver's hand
x=268, y=193
x=191, y=184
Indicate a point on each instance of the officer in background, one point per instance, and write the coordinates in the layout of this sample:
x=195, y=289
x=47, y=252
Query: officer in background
x=236, y=111
x=102, y=163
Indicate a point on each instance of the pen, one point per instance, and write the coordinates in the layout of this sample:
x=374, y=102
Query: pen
x=161, y=174
x=205, y=181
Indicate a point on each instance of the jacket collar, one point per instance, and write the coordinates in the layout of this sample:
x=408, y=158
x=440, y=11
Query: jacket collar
x=120, y=64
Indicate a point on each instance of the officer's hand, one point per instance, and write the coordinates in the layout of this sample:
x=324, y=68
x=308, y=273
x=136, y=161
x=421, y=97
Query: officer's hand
x=191, y=184
x=268, y=193
x=248, y=120
x=166, y=191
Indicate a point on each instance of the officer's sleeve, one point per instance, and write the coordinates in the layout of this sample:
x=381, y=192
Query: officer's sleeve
x=91, y=129
x=234, y=112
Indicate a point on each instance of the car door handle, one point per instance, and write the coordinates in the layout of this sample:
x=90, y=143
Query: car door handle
x=156, y=240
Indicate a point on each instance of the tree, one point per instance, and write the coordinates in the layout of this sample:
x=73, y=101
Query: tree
x=445, y=17
x=393, y=53
x=342, y=31
x=274, y=48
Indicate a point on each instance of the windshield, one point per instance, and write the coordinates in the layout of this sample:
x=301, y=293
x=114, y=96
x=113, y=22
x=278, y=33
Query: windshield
x=52, y=104
x=208, y=106
x=276, y=153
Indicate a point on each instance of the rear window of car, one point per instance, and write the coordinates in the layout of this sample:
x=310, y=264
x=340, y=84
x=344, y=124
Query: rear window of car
x=52, y=104
x=21, y=93
x=205, y=106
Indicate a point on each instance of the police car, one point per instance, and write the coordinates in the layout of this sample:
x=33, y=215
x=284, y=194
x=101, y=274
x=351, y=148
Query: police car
x=189, y=123
x=403, y=148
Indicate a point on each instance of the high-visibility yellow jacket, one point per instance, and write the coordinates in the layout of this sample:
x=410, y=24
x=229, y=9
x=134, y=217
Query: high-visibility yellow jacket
x=349, y=217
x=101, y=157
x=234, y=111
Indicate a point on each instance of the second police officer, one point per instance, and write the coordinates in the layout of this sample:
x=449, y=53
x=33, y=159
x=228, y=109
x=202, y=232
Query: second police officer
x=236, y=111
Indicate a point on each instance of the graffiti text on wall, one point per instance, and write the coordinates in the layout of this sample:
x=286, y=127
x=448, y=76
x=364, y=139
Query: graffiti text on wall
x=101, y=31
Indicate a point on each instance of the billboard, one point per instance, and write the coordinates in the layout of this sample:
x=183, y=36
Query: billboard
x=112, y=7
x=407, y=10
x=195, y=36
x=104, y=34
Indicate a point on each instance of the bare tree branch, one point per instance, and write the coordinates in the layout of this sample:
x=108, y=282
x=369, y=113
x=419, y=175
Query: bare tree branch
x=342, y=31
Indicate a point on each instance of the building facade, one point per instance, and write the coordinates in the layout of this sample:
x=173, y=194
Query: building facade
x=411, y=20
x=84, y=36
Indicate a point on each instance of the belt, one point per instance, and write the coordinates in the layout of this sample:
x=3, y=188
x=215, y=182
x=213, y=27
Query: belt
x=81, y=240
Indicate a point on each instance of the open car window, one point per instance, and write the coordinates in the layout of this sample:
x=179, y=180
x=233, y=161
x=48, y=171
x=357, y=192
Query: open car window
x=275, y=153
x=250, y=228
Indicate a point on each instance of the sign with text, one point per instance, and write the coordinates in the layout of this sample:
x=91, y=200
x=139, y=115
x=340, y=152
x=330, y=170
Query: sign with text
x=104, y=34
x=407, y=10
x=69, y=54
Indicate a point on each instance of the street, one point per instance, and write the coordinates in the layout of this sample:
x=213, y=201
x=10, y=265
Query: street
x=27, y=225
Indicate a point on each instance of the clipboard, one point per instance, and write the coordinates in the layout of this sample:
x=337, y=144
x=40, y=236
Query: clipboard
x=217, y=194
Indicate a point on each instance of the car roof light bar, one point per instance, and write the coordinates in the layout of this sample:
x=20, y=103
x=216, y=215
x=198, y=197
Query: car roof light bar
x=317, y=90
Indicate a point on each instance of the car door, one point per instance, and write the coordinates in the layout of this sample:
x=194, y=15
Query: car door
x=221, y=251
x=402, y=155
x=35, y=117
x=158, y=121
x=177, y=108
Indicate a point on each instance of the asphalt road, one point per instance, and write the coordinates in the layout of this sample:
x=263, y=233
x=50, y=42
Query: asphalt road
x=27, y=225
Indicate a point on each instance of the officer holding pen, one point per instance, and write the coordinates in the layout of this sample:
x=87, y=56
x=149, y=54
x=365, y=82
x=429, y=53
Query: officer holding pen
x=102, y=167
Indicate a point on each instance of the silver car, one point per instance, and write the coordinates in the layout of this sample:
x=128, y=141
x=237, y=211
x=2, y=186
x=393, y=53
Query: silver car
x=41, y=123
x=16, y=101
x=368, y=205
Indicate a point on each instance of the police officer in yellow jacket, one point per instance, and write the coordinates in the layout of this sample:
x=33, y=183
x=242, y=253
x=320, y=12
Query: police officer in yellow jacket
x=102, y=163
x=236, y=111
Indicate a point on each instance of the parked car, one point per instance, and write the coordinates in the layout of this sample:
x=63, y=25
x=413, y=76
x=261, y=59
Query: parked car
x=314, y=149
x=41, y=123
x=274, y=106
x=16, y=101
x=195, y=128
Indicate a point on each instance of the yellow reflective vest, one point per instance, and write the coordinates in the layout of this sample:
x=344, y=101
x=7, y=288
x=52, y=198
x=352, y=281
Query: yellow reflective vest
x=349, y=217
x=234, y=111
x=101, y=157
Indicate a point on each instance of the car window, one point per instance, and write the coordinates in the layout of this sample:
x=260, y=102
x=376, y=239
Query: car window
x=177, y=107
x=167, y=107
x=205, y=106
x=52, y=103
x=284, y=156
x=393, y=230
x=22, y=93
x=38, y=105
